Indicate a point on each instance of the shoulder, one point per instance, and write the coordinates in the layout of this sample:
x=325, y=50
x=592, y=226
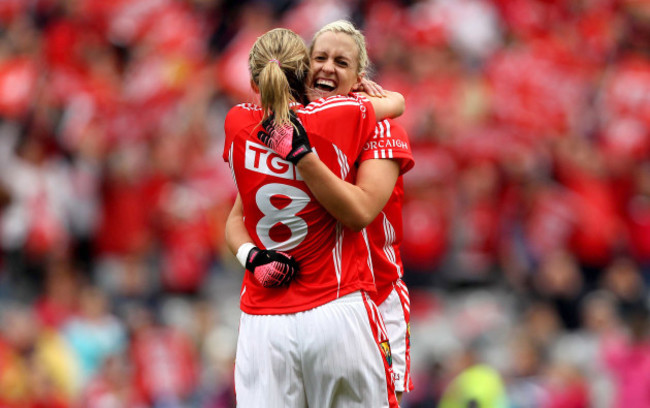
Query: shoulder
x=338, y=112
x=335, y=102
x=242, y=113
x=243, y=108
x=389, y=141
x=239, y=120
x=242, y=116
x=392, y=128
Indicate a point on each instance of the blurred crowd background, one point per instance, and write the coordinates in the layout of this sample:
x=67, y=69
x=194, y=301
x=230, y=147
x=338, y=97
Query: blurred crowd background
x=526, y=217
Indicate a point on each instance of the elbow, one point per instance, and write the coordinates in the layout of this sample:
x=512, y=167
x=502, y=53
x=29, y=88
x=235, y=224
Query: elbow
x=402, y=104
x=357, y=223
x=399, y=103
x=355, y=227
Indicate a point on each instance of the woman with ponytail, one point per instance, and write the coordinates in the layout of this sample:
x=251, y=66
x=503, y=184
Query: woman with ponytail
x=312, y=338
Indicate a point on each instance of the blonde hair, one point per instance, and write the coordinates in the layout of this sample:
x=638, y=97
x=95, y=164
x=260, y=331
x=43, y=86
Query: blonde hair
x=346, y=27
x=279, y=64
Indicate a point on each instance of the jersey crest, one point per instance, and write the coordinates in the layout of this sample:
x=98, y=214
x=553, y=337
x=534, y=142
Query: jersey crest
x=385, y=349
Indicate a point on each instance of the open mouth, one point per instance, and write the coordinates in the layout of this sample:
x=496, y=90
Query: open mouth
x=325, y=85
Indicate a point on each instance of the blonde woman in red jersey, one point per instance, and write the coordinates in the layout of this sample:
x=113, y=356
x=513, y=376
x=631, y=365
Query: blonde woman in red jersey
x=338, y=64
x=318, y=341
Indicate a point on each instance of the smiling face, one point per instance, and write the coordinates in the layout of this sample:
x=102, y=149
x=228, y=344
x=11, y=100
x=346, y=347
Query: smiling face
x=334, y=65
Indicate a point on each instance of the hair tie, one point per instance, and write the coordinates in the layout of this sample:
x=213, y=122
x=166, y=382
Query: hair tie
x=276, y=61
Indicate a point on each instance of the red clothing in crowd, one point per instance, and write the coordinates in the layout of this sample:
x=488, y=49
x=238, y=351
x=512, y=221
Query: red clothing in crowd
x=18, y=84
x=165, y=365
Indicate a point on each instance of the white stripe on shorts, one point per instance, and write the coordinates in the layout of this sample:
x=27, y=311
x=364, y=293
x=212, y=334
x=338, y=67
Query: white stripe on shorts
x=394, y=310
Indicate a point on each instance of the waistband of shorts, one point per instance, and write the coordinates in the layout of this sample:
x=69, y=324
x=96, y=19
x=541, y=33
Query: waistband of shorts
x=353, y=297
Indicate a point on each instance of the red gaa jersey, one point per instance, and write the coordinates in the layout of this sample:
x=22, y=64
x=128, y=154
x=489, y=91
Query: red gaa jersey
x=389, y=141
x=281, y=213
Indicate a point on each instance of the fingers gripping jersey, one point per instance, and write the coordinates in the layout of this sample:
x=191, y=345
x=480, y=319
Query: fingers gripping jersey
x=389, y=141
x=282, y=214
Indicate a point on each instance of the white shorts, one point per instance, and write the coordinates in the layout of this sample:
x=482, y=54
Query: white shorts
x=396, y=312
x=335, y=355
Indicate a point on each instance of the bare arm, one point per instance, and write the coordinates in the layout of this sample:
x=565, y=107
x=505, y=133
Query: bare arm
x=355, y=205
x=390, y=106
x=236, y=233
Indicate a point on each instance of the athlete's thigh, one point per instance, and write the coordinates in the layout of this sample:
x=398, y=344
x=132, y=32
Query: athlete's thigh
x=267, y=365
x=343, y=361
x=395, y=311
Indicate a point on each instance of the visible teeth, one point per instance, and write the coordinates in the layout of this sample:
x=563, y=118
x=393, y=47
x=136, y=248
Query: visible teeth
x=326, y=82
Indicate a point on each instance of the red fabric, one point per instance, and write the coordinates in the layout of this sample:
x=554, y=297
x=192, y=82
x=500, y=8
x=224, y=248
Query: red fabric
x=175, y=30
x=99, y=390
x=549, y=221
x=52, y=313
x=540, y=87
x=479, y=223
x=425, y=25
x=63, y=41
x=164, y=364
x=571, y=395
x=389, y=141
x=625, y=110
x=121, y=20
x=597, y=28
x=10, y=9
x=18, y=78
x=597, y=225
x=426, y=233
x=328, y=254
x=638, y=224
x=187, y=248
x=233, y=63
x=46, y=231
x=383, y=20
x=427, y=208
x=626, y=88
x=385, y=236
x=531, y=18
x=125, y=217
x=434, y=96
x=385, y=232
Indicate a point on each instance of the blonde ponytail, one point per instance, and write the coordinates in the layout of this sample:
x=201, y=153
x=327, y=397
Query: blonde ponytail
x=279, y=64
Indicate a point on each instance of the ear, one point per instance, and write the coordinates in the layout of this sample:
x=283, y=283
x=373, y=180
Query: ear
x=357, y=85
x=255, y=87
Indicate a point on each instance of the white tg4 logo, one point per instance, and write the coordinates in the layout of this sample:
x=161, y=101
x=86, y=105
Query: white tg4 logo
x=261, y=159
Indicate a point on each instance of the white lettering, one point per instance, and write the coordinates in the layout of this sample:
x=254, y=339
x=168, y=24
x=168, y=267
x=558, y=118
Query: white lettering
x=261, y=159
x=385, y=144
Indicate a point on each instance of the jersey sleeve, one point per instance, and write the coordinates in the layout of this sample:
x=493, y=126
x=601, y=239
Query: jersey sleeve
x=244, y=113
x=346, y=121
x=367, y=113
x=230, y=131
x=389, y=141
